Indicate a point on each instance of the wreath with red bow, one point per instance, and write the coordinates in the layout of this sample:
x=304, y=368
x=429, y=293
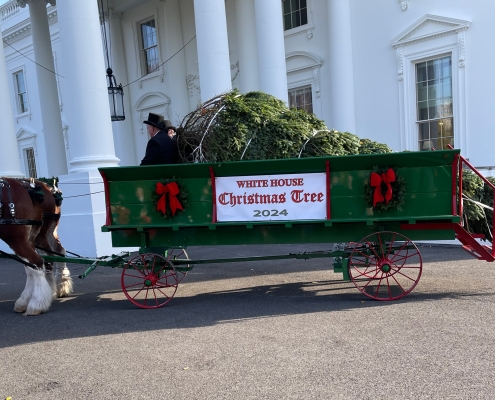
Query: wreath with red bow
x=384, y=189
x=170, y=197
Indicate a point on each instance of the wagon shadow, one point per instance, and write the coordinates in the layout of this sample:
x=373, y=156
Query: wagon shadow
x=97, y=314
x=211, y=295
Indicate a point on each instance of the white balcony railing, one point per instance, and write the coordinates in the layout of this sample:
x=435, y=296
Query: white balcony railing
x=9, y=9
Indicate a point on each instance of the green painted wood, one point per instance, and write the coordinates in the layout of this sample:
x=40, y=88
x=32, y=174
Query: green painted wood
x=267, y=234
x=143, y=190
x=428, y=197
x=145, y=214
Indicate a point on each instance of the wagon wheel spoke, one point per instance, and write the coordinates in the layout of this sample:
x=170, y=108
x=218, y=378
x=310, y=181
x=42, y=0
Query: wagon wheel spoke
x=135, y=276
x=144, y=263
x=136, y=284
x=363, y=265
x=138, y=270
x=405, y=257
x=172, y=278
x=162, y=292
x=173, y=254
x=372, y=247
x=390, y=271
x=155, y=286
x=140, y=290
x=399, y=272
x=390, y=247
x=365, y=273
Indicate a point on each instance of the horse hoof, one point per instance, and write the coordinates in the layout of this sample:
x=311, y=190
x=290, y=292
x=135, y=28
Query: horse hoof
x=31, y=314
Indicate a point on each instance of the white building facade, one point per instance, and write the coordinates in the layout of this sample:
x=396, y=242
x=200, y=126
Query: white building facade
x=413, y=74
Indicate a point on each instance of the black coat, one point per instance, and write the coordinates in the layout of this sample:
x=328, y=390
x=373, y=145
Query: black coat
x=161, y=149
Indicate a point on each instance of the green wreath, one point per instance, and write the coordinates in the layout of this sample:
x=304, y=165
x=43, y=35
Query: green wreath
x=170, y=197
x=385, y=189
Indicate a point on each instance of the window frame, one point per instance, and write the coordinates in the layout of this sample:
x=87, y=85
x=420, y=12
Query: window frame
x=307, y=28
x=26, y=139
x=410, y=134
x=142, y=49
x=292, y=12
x=303, y=69
x=439, y=119
x=15, y=88
x=303, y=87
x=136, y=24
x=445, y=36
x=27, y=164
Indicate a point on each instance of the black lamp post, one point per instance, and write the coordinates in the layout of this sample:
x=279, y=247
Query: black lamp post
x=115, y=97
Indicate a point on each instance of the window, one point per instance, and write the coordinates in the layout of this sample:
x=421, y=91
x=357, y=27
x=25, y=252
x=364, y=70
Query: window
x=301, y=98
x=149, y=46
x=434, y=104
x=20, y=91
x=31, y=162
x=295, y=13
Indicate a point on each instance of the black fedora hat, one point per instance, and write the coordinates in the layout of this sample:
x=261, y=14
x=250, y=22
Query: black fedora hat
x=154, y=120
x=166, y=125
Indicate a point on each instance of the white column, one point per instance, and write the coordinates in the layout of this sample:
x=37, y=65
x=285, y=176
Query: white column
x=47, y=89
x=213, y=47
x=123, y=135
x=176, y=67
x=90, y=135
x=341, y=67
x=247, y=48
x=87, y=108
x=271, y=48
x=10, y=164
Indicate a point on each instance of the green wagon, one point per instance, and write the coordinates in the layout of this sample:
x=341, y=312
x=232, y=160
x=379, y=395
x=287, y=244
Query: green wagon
x=378, y=205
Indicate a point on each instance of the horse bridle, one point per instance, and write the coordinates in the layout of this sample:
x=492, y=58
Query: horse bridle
x=13, y=220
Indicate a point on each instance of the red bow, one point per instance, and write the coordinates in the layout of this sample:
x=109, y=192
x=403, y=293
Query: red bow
x=173, y=190
x=376, y=182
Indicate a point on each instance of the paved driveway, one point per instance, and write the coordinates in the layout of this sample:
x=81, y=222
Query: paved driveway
x=277, y=330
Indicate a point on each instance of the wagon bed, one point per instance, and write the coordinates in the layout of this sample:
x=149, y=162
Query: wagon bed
x=163, y=209
x=133, y=220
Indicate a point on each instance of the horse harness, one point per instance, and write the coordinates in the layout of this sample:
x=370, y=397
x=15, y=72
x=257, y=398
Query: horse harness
x=4, y=184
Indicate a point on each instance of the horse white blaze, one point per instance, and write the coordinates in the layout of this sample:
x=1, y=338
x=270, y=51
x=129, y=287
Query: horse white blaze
x=42, y=294
x=22, y=302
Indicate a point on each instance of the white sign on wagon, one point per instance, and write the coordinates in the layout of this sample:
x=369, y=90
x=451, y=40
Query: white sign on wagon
x=271, y=197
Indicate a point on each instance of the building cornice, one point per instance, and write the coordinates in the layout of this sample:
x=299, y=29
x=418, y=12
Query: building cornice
x=23, y=29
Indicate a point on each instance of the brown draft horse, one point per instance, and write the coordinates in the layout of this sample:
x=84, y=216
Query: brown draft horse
x=21, y=229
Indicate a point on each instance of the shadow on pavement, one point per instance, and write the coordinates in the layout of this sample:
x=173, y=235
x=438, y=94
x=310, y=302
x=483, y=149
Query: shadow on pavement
x=99, y=307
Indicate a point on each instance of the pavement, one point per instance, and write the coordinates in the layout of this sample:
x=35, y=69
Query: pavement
x=257, y=330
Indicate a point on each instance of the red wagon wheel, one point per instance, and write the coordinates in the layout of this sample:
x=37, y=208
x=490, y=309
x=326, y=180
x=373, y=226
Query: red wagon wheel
x=149, y=280
x=177, y=253
x=385, y=266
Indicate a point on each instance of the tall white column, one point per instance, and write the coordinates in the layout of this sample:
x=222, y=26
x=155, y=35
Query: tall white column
x=341, y=66
x=123, y=135
x=47, y=88
x=176, y=67
x=271, y=48
x=87, y=108
x=87, y=112
x=247, y=48
x=213, y=47
x=10, y=164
